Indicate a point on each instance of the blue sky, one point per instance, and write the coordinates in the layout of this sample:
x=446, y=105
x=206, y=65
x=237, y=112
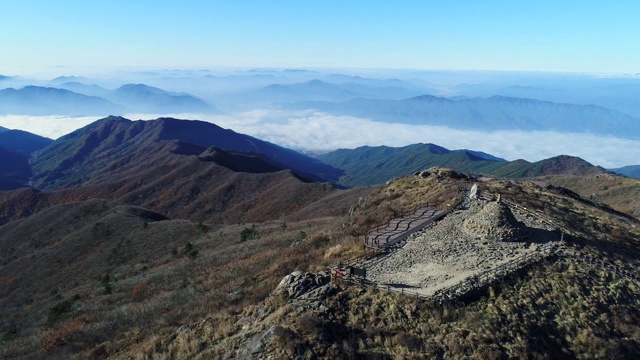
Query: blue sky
x=576, y=36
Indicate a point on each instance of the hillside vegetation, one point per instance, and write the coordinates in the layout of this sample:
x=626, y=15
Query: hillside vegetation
x=96, y=277
x=377, y=165
x=117, y=281
x=562, y=307
x=621, y=193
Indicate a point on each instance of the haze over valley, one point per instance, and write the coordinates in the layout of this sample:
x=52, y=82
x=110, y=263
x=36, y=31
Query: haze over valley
x=317, y=110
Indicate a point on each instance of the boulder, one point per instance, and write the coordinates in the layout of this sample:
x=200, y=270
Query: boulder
x=299, y=283
x=473, y=194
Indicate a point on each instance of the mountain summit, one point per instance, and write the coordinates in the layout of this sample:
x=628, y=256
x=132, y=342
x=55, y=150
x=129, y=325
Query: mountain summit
x=103, y=146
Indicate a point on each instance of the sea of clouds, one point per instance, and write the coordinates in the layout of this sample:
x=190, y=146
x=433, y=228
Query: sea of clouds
x=314, y=131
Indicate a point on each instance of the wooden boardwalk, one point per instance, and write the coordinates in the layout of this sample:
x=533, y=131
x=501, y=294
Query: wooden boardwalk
x=386, y=236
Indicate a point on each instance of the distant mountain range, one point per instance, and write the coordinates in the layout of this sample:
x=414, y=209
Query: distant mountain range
x=630, y=171
x=75, y=98
x=494, y=113
x=376, y=165
x=36, y=100
x=143, y=98
x=318, y=90
x=620, y=95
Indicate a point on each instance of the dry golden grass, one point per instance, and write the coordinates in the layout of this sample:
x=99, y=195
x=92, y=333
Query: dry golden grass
x=403, y=195
x=105, y=279
x=555, y=310
x=583, y=221
x=619, y=192
x=105, y=282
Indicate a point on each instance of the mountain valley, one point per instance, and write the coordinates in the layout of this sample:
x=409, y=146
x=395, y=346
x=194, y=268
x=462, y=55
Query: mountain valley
x=171, y=238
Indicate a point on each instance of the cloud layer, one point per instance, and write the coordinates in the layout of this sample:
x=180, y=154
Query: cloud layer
x=315, y=131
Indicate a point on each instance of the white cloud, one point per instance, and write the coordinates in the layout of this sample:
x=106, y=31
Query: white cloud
x=52, y=126
x=315, y=131
x=310, y=130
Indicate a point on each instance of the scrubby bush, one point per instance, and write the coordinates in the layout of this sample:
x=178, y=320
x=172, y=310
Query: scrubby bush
x=249, y=233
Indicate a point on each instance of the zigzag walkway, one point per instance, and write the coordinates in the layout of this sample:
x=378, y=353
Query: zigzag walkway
x=400, y=228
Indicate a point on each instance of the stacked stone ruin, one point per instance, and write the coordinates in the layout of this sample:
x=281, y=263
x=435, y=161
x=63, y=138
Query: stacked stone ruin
x=495, y=222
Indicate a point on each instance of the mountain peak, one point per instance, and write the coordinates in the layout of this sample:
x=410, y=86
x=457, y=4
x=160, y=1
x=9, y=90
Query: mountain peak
x=316, y=82
x=428, y=98
x=98, y=146
x=566, y=164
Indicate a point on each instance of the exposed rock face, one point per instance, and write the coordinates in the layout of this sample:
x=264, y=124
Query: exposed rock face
x=299, y=283
x=255, y=346
x=494, y=222
x=440, y=172
x=473, y=194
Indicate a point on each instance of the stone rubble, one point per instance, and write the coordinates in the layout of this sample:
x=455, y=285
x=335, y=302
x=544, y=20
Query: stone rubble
x=462, y=244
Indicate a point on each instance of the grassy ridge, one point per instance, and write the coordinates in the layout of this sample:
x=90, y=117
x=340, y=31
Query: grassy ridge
x=107, y=276
x=376, y=165
x=117, y=281
x=557, y=310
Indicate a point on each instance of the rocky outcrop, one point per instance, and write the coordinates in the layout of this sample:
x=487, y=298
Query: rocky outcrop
x=440, y=172
x=254, y=347
x=299, y=283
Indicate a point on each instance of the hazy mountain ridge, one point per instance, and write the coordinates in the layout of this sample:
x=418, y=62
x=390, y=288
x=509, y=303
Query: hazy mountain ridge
x=73, y=98
x=617, y=94
x=630, y=170
x=144, y=98
x=35, y=100
x=81, y=88
x=319, y=90
x=493, y=113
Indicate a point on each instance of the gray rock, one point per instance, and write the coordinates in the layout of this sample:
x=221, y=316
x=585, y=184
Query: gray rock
x=254, y=346
x=473, y=194
x=299, y=283
x=183, y=328
x=232, y=296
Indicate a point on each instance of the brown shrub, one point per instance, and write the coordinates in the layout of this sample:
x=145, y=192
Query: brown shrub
x=309, y=323
x=139, y=291
x=285, y=339
x=407, y=340
x=55, y=338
